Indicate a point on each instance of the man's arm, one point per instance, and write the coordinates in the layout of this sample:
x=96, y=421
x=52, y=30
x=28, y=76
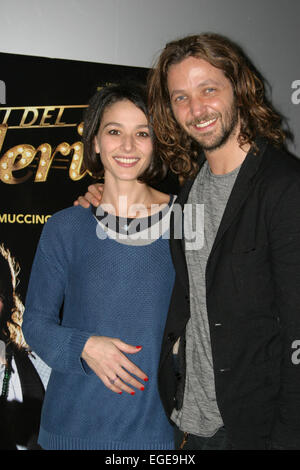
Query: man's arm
x=285, y=259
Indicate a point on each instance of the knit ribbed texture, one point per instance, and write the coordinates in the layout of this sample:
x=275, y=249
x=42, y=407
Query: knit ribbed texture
x=67, y=443
x=107, y=289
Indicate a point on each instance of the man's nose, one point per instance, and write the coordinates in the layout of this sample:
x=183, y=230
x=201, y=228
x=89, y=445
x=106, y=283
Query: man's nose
x=197, y=106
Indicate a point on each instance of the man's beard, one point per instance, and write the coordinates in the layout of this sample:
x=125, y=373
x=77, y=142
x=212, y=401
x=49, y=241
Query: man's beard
x=228, y=126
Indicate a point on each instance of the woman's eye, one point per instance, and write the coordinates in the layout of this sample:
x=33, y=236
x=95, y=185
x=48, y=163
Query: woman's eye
x=114, y=132
x=143, y=134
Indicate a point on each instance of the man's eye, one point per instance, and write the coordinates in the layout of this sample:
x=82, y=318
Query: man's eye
x=177, y=99
x=209, y=90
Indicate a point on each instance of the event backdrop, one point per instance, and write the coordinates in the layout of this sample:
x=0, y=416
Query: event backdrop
x=42, y=101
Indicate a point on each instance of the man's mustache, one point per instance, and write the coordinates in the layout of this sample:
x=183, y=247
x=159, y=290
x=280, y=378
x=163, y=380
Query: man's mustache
x=202, y=119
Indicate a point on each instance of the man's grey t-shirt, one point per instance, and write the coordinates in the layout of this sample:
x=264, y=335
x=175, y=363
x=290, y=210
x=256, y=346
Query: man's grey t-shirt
x=200, y=414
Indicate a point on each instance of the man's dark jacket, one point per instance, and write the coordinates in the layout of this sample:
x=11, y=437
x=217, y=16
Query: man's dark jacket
x=253, y=304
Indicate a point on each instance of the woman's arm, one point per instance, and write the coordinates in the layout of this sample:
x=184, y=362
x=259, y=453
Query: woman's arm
x=59, y=346
x=67, y=349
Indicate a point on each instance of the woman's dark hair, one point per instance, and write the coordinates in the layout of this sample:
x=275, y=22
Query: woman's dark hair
x=107, y=96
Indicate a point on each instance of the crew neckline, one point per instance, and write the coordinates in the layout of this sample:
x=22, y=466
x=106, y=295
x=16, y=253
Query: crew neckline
x=225, y=175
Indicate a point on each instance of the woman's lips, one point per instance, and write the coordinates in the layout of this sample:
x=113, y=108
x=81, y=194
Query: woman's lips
x=126, y=162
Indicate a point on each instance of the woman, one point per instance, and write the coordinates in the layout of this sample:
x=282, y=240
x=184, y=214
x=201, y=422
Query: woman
x=23, y=376
x=113, y=275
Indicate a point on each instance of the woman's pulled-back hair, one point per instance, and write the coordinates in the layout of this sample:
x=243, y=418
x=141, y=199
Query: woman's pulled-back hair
x=135, y=93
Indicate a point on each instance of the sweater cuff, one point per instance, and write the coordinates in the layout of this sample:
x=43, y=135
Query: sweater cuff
x=76, y=346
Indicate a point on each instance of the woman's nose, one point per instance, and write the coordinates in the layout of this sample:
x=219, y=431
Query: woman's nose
x=128, y=143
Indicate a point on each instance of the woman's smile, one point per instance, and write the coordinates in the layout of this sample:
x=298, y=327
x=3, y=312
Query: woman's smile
x=126, y=162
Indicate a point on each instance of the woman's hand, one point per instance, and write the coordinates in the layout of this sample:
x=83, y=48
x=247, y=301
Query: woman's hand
x=105, y=357
x=93, y=196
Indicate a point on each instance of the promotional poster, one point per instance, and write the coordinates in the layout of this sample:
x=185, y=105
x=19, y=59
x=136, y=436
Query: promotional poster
x=41, y=106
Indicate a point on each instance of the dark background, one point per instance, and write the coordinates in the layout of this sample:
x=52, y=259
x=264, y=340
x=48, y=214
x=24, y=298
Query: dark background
x=36, y=81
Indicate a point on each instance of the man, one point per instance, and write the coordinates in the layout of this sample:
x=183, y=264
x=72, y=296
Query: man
x=23, y=375
x=234, y=313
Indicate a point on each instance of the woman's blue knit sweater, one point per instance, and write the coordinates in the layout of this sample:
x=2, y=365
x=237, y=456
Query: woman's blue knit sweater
x=80, y=286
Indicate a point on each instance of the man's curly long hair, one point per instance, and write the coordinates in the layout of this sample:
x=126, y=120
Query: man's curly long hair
x=257, y=116
x=11, y=316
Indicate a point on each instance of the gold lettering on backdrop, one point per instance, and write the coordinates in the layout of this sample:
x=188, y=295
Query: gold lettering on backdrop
x=22, y=155
x=47, y=115
x=33, y=111
x=6, y=116
x=65, y=149
x=45, y=151
x=3, y=130
x=58, y=122
x=14, y=159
